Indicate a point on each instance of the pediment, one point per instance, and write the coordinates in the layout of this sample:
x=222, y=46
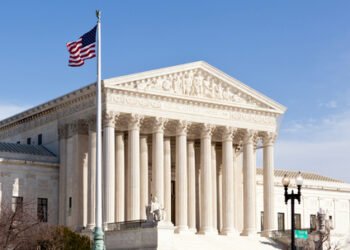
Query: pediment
x=196, y=81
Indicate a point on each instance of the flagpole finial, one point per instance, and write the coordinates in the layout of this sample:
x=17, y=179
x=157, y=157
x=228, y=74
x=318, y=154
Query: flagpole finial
x=98, y=15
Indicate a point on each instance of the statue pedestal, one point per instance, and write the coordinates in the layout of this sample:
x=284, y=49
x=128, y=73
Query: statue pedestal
x=165, y=232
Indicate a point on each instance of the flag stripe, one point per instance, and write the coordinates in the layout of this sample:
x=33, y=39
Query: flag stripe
x=82, y=49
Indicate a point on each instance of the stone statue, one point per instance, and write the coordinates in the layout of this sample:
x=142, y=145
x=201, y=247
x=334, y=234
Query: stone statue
x=154, y=211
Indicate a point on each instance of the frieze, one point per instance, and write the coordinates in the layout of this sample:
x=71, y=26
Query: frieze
x=134, y=101
x=194, y=83
x=231, y=113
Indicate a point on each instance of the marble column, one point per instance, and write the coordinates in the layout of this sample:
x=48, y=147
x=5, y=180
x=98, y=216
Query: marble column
x=228, y=158
x=268, y=175
x=143, y=176
x=197, y=152
x=219, y=187
x=91, y=175
x=62, y=132
x=191, y=175
x=158, y=160
x=133, y=169
x=249, y=185
x=167, y=179
x=214, y=188
x=109, y=166
x=206, y=225
x=181, y=177
x=119, y=177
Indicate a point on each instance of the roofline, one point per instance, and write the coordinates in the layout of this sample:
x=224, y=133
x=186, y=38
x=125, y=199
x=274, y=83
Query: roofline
x=46, y=105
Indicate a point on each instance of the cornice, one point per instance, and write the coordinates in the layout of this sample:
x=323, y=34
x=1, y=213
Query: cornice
x=48, y=108
x=189, y=100
x=31, y=163
x=57, y=109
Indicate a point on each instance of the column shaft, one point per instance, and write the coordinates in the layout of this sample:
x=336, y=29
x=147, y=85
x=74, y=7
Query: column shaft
x=249, y=185
x=228, y=158
x=167, y=179
x=109, y=173
x=181, y=179
x=144, y=177
x=157, y=165
x=206, y=185
x=133, y=171
x=191, y=170
x=214, y=188
x=268, y=171
x=120, y=178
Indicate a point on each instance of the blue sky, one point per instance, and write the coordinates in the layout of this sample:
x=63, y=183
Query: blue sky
x=296, y=52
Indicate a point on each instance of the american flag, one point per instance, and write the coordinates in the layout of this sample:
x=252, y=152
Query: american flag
x=82, y=49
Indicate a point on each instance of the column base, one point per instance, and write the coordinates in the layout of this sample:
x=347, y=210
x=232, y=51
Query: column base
x=192, y=230
x=165, y=224
x=229, y=232
x=208, y=231
x=181, y=229
x=249, y=233
x=266, y=233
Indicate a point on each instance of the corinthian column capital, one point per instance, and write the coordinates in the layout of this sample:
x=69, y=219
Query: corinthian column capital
x=159, y=124
x=269, y=138
x=134, y=121
x=182, y=127
x=207, y=130
x=109, y=119
x=250, y=137
x=228, y=133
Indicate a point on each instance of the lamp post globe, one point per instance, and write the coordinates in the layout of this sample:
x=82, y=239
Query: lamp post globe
x=299, y=180
x=285, y=180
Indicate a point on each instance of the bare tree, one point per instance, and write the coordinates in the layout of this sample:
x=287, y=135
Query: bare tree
x=17, y=223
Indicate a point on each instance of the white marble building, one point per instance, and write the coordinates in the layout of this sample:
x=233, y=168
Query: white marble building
x=186, y=134
x=29, y=178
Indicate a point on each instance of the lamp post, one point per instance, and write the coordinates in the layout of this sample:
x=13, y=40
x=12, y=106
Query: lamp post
x=292, y=197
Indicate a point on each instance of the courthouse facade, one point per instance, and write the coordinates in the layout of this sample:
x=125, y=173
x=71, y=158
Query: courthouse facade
x=186, y=134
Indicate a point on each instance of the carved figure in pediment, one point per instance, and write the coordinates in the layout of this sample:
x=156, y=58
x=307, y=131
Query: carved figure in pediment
x=197, y=85
x=207, y=88
x=188, y=83
x=178, y=85
x=227, y=94
x=159, y=83
x=218, y=90
x=238, y=98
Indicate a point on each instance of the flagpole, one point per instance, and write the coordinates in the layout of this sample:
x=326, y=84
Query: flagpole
x=98, y=232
